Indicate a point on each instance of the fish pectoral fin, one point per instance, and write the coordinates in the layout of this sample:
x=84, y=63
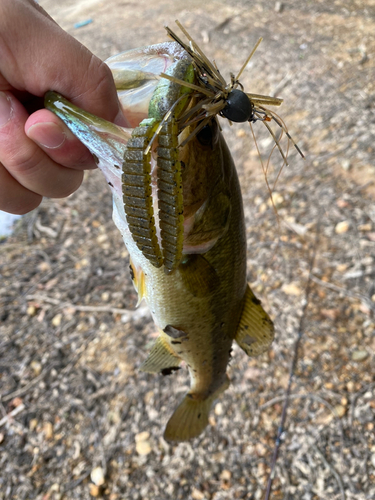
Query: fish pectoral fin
x=139, y=281
x=211, y=222
x=191, y=416
x=160, y=358
x=199, y=277
x=255, y=332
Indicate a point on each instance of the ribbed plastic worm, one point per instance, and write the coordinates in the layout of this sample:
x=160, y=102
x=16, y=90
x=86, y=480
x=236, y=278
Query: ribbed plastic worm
x=167, y=103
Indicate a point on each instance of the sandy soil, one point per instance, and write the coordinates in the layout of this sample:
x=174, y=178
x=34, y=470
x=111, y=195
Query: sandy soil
x=73, y=402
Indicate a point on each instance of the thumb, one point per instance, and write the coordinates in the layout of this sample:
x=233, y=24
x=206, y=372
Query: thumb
x=46, y=58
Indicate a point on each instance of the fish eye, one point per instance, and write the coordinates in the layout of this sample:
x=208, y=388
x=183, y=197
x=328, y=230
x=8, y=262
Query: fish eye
x=208, y=134
x=238, y=108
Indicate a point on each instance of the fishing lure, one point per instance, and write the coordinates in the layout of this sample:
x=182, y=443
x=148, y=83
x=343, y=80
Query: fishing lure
x=197, y=94
x=216, y=97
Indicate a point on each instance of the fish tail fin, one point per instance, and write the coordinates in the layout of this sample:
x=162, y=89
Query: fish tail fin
x=191, y=416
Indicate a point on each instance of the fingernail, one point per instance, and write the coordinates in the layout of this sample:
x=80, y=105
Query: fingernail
x=47, y=134
x=6, y=109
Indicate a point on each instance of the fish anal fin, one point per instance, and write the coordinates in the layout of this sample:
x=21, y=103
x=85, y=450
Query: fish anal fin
x=255, y=331
x=160, y=357
x=191, y=416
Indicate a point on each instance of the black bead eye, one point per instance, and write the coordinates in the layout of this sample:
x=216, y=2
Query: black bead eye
x=239, y=108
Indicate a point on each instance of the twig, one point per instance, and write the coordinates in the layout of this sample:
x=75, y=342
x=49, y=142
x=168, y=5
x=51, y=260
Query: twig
x=64, y=305
x=31, y=219
x=20, y=392
x=331, y=408
x=45, y=229
x=280, y=429
x=99, y=443
x=347, y=293
x=77, y=482
x=12, y=414
x=333, y=470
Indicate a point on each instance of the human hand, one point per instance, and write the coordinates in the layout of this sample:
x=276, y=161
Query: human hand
x=39, y=156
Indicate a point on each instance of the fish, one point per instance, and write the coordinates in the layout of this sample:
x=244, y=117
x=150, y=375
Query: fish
x=177, y=203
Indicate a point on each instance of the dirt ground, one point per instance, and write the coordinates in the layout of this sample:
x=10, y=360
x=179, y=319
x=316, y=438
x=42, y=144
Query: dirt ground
x=78, y=420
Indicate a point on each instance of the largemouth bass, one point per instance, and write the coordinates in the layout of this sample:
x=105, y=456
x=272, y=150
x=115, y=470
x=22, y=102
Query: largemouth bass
x=177, y=203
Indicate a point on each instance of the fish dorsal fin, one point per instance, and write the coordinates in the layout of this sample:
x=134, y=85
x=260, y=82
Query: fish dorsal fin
x=161, y=357
x=255, y=332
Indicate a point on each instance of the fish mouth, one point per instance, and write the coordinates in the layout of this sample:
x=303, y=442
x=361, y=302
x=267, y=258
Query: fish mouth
x=145, y=164
x=177, y=187
x=114, y=149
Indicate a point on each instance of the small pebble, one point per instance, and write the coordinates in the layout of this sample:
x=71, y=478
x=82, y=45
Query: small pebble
x=36, y=367
x=340, y=411
x=291, y=289
x=279, y=7
x=365, y=227
x=142, y=444
x=345, y=164
x=31, y=310
x=342, y=227
x=277, y=198
x=44, y=266
x=48, y=430
x=350, y=386
x=225, y=475
x=94, y=490
x=359, y=355
x=196, y=494
x=219, y=409
x=56, y=320
x=16, y=402
x=102, y=238
x=97, y=476
x=32, y=424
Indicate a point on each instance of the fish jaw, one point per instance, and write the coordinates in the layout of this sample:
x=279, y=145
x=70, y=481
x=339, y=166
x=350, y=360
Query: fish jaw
x=136, y=74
